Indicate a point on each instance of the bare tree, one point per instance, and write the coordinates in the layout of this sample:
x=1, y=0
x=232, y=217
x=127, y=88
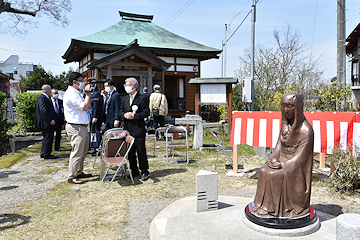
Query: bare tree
x=283, y=66
x=17, y=15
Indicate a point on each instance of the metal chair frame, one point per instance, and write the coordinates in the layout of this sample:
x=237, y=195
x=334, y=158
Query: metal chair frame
x=172, y=145
x=222, y=148
x=159, y=130
x=110, y=162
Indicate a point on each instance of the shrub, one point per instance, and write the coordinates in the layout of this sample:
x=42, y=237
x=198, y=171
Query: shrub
x=346, y=177
x=25, y=109
x=4, y=124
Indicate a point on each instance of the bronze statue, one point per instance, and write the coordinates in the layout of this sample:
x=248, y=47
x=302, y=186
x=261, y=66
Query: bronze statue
x=284, y=181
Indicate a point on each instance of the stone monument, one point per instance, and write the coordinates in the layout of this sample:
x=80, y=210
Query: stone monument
x=282, y=197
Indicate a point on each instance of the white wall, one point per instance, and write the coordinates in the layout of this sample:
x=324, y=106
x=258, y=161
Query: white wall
x=12, y=64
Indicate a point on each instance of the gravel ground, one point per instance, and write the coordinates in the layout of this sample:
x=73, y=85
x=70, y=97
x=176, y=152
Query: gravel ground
x=29, y=179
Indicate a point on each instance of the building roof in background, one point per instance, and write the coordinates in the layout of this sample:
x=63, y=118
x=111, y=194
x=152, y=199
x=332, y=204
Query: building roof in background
x=149, y=35
x=352, y=40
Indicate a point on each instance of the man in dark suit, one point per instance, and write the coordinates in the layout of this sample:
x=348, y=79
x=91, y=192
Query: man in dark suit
x=134, y=108
x=59, y=109
x=45, y=118
x=112, y=106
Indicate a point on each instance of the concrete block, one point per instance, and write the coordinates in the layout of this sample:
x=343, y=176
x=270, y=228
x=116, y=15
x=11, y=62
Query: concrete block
x=196, y=121
x=348, y=226
x=18, y=143
x=206, y=191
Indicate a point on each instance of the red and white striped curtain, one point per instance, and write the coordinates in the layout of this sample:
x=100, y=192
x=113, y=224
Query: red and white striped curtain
x=330, y=129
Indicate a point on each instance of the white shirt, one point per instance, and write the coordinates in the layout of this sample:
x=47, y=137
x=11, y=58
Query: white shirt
x=73, y=103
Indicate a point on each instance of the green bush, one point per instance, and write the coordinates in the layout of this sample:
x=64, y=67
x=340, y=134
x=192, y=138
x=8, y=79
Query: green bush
x=25, y=109
x=346, y=177
x=4, y=124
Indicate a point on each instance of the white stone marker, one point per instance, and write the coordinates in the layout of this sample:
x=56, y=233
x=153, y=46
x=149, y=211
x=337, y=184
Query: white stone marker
x=206, y=191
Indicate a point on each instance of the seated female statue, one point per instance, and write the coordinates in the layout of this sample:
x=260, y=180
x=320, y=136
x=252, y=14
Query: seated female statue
x=284, y=181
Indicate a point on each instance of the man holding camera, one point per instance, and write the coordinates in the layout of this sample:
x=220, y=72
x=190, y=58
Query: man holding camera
x=77, y=118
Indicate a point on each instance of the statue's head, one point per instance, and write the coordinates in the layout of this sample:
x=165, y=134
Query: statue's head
x=292, y=108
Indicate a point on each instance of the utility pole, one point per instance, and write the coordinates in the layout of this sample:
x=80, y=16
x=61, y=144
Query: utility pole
x=341, y=47
x=225, y=50
x=253, y=20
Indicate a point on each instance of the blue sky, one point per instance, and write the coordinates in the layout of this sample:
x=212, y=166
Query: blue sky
x=202, y=21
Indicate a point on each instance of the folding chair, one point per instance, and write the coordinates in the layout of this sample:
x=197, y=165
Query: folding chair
x=111, y=134
x=114, y=155
x=173, y=144
x=222, y=148
x=158, y=131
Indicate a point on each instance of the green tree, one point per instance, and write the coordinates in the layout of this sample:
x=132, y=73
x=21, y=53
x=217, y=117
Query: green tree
x=330, y=95
x=41, y=77
x=16, y=15
x=25, y=109
x=238, y=104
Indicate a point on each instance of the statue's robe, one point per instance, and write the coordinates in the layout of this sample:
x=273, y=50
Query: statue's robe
x=285, y=192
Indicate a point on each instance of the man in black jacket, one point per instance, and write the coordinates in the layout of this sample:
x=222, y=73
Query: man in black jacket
x=59, y=109
x=134, y=108
x=112, y=106
x=46, y=119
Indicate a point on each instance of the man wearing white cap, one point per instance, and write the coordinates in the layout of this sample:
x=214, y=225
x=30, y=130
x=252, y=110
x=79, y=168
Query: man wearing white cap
x=158, y=108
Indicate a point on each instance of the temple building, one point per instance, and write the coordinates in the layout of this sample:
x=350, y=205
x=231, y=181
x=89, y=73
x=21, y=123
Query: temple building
x=135, y=47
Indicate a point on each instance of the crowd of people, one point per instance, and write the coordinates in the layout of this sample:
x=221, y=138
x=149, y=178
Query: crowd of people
x=83, y=107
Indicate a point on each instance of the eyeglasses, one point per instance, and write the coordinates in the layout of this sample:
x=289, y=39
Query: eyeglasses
x=128, y=85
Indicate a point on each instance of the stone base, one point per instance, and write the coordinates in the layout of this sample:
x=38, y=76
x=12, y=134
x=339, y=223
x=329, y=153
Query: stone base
x=286, y=227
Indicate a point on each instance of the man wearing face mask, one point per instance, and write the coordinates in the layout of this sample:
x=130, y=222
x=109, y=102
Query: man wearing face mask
x=58, y=107
x=134, y=108
x=77, y=118
x=112, y=106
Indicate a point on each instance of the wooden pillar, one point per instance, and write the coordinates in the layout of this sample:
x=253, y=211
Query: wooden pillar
x=229, y=101
x=197, y=99
x=109, y=72
x=235, y=159
x=322, y=160
x=162, y=81
x=149, y=79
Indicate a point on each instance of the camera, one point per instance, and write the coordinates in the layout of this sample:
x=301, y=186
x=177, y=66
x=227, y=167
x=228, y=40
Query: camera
x=93, y=81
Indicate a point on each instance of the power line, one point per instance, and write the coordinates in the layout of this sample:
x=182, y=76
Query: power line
x=239, y=26
x=27, y=51
x=178, y=13
x=242, y=20
x=238, y=13
x=33, y=58
x=313, y=33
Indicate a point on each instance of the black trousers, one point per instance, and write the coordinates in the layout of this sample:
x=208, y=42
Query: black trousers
x=58, y=137
x=139, y=148
x=159, y=121
x=48, y=138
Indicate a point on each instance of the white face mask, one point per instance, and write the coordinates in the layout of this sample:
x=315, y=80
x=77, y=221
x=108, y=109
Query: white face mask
x=55, y=96
x=81, y=85
x=128, y=89
x=107, y=89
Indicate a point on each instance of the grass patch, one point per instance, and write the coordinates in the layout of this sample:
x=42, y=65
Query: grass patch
x=7, y=161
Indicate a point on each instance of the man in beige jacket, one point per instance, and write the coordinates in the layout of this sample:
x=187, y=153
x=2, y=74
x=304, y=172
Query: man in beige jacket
x=158, y=108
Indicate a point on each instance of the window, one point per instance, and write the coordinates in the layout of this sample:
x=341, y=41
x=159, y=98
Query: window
x=15, y=72
x=10, y=75
x=29, y=73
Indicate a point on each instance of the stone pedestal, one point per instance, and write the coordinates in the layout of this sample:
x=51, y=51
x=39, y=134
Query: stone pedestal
x=196, y=121
x=206, y=191
x=348, y=226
